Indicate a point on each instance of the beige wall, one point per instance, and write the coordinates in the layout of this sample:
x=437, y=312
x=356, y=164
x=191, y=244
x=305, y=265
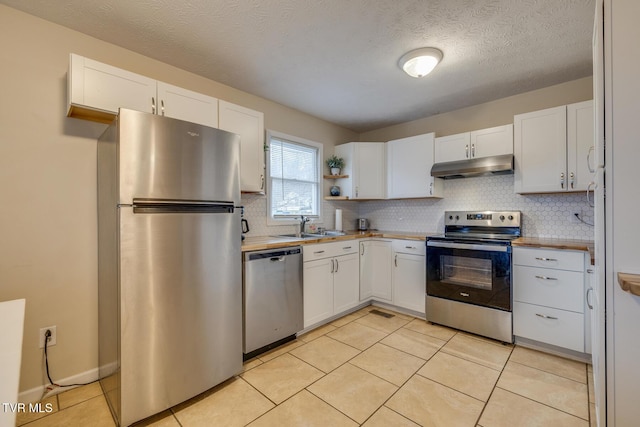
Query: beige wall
x=48, y=247
x=494, y=113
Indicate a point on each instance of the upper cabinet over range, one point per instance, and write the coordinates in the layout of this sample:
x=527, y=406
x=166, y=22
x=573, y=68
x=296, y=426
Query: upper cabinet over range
x=493, y=141
x=551, y=149
x=95, y=91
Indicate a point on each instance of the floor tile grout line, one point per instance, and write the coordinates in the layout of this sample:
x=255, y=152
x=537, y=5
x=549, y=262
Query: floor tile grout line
x=554, y=374
x=495, y=385
x=542, y=403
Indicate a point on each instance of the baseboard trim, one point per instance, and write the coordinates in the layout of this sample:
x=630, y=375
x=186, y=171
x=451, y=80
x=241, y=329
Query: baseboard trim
x=37, y=393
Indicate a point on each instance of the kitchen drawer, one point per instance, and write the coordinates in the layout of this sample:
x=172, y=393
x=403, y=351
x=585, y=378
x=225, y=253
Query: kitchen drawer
x=328, y=250
x=547, y=287
x=549, y=258
x=416, y=247
x=561, y=328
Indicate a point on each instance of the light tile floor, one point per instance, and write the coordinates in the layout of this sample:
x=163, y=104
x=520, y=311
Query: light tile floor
x=365, y=369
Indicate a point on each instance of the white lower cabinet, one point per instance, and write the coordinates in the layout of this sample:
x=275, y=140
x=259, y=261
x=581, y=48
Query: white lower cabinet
x=375, y=270
x=393, y=271
x=409, y=275
x=330, y=274
x=549, y=297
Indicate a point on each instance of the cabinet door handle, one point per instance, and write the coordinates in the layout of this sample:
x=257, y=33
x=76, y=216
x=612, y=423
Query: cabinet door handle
x=589, y=304
x=332, y=266
x=361, y=249
x=473, y=150
x=162, y=106
x=562, y=180
x=262, y=182
x=153, y=105
x=546, y=259
x=431, y=189
x=337, y=265
x=590, y=188
x=591, y=150
x=545, y=278
x=546, y=317
x=346, y=247
x=356, y=191
x=466, y=151
x=571, y=179
x=395, y=261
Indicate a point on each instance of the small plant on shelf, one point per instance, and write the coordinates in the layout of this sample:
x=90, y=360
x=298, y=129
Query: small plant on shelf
x=335, y=164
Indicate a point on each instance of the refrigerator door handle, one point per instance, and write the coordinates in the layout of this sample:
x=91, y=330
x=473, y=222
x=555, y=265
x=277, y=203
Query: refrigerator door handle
x=179, y=206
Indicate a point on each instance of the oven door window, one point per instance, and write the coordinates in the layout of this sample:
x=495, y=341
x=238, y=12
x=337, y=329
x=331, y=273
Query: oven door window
x=471, y=276
x=463, y=271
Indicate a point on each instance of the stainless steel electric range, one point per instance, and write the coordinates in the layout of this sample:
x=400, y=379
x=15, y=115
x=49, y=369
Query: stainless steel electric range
x=469, y=272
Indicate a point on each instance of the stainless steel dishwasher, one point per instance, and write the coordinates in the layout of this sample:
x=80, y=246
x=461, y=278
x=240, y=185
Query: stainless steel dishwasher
x=272, y=290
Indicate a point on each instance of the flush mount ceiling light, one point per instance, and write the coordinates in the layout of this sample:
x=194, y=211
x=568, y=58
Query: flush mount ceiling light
x=420, y=62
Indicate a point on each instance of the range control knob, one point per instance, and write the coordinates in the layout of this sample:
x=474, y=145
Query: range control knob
x=501, y=217
x=450, y=217
x=510, y=217
x=457, y=217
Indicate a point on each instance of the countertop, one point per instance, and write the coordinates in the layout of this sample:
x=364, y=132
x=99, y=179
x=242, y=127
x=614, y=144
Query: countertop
x=566, y=244
x=273, y=242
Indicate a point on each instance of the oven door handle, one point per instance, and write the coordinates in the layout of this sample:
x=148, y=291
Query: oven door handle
x=475, y=247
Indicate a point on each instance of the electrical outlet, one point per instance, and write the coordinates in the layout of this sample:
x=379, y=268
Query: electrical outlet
x=52, y=338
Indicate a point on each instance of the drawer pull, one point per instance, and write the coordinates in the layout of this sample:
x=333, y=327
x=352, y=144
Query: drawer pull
x=318, y=252
x=546, y=317
x=545, y=278
x=464, y=294
x=410, y=247
x=346, y=247
x=546, y=259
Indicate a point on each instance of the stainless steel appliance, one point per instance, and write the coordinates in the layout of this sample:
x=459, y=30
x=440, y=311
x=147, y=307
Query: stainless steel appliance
x=469, y=273
x=169, y=262
x=362, y=224
x=272, y=289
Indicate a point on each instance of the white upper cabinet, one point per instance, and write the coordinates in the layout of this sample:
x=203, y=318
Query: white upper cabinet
x=580, y=141
x=249, y=124
x=409, y=162
x=95, y=91
x=365, y=166
x=183, y=104
x=453, y=147
x=551, y=148
x=493, y=141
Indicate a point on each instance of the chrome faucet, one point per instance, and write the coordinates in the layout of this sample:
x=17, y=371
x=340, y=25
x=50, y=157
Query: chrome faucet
x=303, y=221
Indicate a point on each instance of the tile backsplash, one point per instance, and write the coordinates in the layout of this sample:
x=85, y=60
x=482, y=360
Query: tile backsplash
x=544, y=215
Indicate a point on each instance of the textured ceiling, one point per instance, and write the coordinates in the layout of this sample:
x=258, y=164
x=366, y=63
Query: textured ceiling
x=337, y=59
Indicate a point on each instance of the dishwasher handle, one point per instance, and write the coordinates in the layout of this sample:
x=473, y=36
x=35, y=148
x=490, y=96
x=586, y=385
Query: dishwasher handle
x=274, y=254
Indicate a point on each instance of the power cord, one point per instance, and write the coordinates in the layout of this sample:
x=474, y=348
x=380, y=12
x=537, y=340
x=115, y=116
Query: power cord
x=577, y=215
x=47, y=336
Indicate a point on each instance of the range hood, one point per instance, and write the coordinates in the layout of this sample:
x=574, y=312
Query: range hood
x=495, y=165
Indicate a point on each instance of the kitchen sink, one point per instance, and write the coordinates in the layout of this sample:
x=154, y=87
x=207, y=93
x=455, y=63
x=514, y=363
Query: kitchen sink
x=313, y=235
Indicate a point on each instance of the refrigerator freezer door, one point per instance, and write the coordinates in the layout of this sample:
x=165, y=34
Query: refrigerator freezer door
x=164, y=158
x=181, y=307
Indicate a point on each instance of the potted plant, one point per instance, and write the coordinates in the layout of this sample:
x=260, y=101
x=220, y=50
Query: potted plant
x=335, y=163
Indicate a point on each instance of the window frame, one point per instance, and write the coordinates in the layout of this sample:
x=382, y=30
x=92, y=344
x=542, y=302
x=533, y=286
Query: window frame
x=293, y=219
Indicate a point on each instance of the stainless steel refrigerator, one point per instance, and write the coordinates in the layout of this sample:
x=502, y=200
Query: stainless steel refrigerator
x=169, y=268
